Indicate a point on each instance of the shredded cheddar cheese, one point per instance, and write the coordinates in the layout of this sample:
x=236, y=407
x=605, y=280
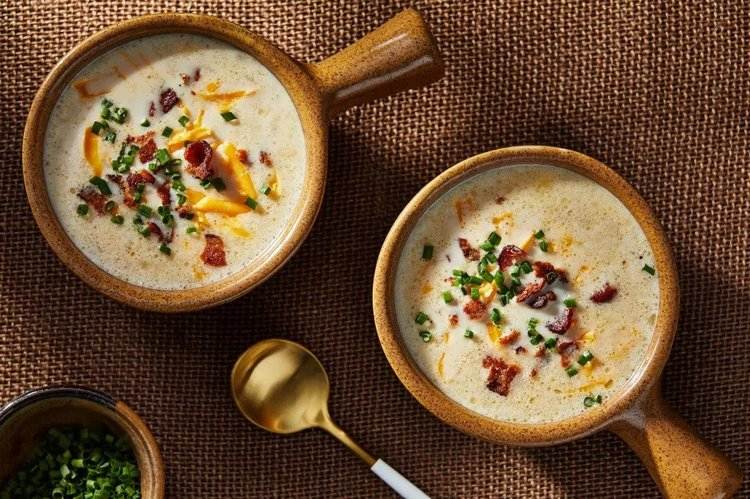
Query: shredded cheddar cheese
x=225, y=100
x=91, y=151
x=224, y=207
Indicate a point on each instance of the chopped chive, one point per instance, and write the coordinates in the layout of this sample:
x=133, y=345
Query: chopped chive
x=487, y=246
x=599, y=399
x=468, y=333
x=487, y=276
x=110, y=136
x=585, y=358
x=550, y=343
x=82, y=209
x=178, y=185
x=458, y=272
x=145, y=123
x=251, y=203
x=117, y=219
x=474, y=293
x=589, y=401
x=145, y=211
x=571, y=371
x=648, y=268
x=421, y=318
x=427, y=251
x=218, y=184
x=515, y=281
x=525, y=267
x=110, y=206
x=490, y=257
x=106, y=102
x=144, y=231
x=570, y=302
x=165, y=249
x=426, y=336
x=101, y=184
x=536, y=339
x=533, y=323
x=191, y=230
x=539, y=234
x=482, y=265
x=504, y=300
x=476, y=280
x=184, y=120
x=265, y=189
x=98, y=126
x=494, y=238
x=447, y=297
x=544, y=246
x=167, y=131
x=162, y=156
x=515, y=271
x=228, y=116
x=495, y=316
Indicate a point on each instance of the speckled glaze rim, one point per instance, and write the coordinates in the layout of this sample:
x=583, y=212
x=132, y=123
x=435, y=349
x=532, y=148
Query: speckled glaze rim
x=400, y=54
x=473, y=423
x=150, y=462
x=301, y=88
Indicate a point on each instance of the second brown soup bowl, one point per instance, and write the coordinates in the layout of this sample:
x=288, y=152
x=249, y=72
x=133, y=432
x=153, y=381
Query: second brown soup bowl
x=681, y=463
x=399, y=55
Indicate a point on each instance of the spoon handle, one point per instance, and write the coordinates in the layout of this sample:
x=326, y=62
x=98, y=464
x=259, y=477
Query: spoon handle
x=396, y=481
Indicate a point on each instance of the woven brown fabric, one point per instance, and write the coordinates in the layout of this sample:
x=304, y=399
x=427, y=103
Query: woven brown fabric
x=657, y=90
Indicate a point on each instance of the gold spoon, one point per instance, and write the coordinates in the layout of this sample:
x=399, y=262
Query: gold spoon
x=282, y=387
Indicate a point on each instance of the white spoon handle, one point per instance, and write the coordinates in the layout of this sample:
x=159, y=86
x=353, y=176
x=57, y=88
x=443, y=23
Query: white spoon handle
x=397, y=482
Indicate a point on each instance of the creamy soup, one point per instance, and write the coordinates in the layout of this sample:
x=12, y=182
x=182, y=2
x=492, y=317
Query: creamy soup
x=174, y=161
x=527, y=294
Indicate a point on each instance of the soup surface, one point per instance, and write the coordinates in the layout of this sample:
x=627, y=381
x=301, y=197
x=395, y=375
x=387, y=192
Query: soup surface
x=174, y=160
x=527, y=294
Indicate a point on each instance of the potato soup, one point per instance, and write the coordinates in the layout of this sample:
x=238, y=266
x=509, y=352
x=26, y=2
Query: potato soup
x=527, y=294
x=174, y=161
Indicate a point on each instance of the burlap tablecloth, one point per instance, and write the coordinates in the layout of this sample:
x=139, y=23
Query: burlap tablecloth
x=657, y=90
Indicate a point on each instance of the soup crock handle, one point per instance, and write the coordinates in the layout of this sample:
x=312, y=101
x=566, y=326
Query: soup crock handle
x=399, y=55
x=681, y=463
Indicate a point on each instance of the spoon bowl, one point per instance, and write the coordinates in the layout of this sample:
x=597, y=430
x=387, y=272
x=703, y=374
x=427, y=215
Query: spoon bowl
x=280, y=386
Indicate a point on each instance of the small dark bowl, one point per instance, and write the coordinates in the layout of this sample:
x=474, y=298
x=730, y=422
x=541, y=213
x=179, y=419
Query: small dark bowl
x=26, y=419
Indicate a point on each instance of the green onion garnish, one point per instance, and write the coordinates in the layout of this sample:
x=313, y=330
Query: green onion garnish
x=426, y=336
x=228, y=116
x=106, y=102
x=265, y=190
x=447, y=297
x=487, y=276
x=525, y=267
x=487, y=246
x=536, y=338
x=494, y=238
x=495, y=316
x=571, y=371
x=515, y=271
x=427, y=251
x=474, y=293
x=117, y=219
x=167, y=131
x=110, y=206
x=162, y=156
x=101, y=184
x=191, y=230
x=550, y=343
x=421, y=318
x=539, y=234
x=648, y=268
x=251, y=203
x=589, y=401
x=468, y=333
x=544, y=246
x=499, y=278
x=110, y=136
x=184, y=120
x=218, y=184
x=165, y=249
x=145, y=122
x=585, y=358
x=476, y=280
x=533, y=323
x=145, y=211
x=82, y=209
x=98, y=126
x=570, y=302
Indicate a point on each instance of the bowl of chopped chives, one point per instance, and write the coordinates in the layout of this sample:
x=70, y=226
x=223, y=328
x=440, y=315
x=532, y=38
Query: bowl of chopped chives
x=62, y=442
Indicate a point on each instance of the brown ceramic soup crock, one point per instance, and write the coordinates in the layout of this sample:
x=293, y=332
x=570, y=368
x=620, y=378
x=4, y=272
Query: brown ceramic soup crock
x=399, y=55
x=25, y=420
x=681, y=462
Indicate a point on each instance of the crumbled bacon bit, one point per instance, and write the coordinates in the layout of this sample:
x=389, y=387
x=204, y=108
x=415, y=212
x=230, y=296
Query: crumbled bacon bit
x=605, y=294
x=185, y=212
x=213, y=254
x=163, y=192
x=151, y=109
x=501, y=374
x=127, y=194
x=242, y=156
x=562, y=322
x=168, y=99
x=538, y=301
x=147, y=151
x=530, y=290
x=510, y=337
x=565, y=349
x=139, y=140
x=93, y=197
x=156, y=230
x=509, y=255
x=197, y=74
x=520, y=350
x=141, y=177
x=185, y=78
x=469, y=252
x=453, y=320
x=475, y=309
x=551, y=296
x=549, y=272
x=499, y=200
x=534, y=372
x=265, y=159
x=541, y=352
x=198, y=155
